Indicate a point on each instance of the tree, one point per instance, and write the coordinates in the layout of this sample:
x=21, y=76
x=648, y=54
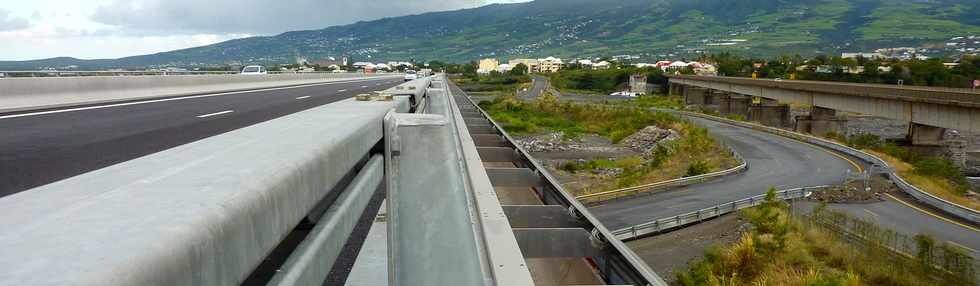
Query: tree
x=519, y=69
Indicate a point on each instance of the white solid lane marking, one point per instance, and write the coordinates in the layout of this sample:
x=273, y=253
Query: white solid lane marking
x=303, y=97
x=172, y=99
x=342, y=90
x=214, y=114
x=364, y=86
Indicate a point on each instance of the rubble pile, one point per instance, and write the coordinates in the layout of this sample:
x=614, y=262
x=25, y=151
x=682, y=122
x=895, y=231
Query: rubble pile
x=543, y=143
x=645, y=140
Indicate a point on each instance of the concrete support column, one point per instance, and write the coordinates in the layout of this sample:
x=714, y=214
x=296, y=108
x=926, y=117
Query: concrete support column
x=724, y=103
x=822, y=121
x=956, y=152
x=769, y=112
x=712, y=100
x=925, y=135
x=739, y=105
x=694, y=95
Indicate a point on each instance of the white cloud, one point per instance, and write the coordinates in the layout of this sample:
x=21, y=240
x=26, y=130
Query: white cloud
x=9, y=23
x=92, y=29
x=257, y=16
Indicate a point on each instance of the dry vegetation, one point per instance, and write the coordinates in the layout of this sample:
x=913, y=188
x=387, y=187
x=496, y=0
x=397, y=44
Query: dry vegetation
x=793, y=250
x=934, y=175
x=695, y=153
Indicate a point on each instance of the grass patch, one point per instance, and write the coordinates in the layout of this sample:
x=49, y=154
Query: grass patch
x=784, y=249
x=492, y=82
x=547, y=113
x=696, y=152
x=657, y=101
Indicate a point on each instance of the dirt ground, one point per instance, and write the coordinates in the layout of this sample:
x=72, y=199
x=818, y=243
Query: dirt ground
x=585, y=147
x=673, y=251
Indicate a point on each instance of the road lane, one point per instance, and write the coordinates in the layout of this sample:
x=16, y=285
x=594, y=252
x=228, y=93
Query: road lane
x=783, y=163
x=774, y=161
x=44, y=148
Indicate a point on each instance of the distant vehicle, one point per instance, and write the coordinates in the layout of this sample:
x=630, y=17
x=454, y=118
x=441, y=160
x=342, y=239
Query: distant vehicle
x=411, y=75
x=254, y=70
x=625, y=94
x=426, y=72
x=339, y=71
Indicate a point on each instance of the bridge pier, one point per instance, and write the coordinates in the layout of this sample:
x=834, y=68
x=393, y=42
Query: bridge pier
x=675, y=89
x=713, y=99
x=694, y=95
x=925, y=135
x=769, y=112
x=821, y=122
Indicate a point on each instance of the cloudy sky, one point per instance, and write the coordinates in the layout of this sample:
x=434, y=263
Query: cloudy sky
x=89, y=29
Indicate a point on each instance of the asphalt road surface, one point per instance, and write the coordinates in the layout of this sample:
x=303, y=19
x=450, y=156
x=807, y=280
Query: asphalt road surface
x=773, y=162
x=37, y=149
x=539, y=86
x=898, y=213
x=783, y=163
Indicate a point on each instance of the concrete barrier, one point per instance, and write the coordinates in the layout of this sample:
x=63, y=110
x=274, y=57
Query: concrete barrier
x=204, y=213
x=22, y=94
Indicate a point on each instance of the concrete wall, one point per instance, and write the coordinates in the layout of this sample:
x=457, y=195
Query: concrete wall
x=777, y=116
x=694, y=95
x=19, y=94
x=955, y=115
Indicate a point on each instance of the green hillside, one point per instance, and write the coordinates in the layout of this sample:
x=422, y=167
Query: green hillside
x=567, y=28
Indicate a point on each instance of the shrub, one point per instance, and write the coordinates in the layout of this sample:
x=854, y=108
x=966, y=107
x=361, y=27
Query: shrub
x=865, y=141
x=698, y=168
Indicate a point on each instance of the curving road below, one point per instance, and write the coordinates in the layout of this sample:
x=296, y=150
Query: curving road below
x=784, y=163
x=773, y=161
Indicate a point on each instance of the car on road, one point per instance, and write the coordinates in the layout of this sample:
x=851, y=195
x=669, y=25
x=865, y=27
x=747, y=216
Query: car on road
x=625, y=94
x=411, y=75
x=254, y=70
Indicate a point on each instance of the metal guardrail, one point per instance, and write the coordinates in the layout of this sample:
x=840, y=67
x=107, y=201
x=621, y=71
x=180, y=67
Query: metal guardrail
x=663, y=185
x=210, y=212
x=939, y=95
x=668, y=223
x=439, y=228
x=618, y=264
x=951, y=208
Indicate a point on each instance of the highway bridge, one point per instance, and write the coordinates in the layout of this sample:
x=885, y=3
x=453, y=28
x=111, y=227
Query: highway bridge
x=352, y=179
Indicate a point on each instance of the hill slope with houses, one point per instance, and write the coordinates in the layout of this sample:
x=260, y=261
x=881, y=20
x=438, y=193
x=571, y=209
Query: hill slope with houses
x=646, y=29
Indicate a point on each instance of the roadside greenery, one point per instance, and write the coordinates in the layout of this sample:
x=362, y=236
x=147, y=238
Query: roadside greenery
x=575, y=78
x=825, y=248
x=547, y=113
x=492, y=82
x=695, y=153
x=929, y=72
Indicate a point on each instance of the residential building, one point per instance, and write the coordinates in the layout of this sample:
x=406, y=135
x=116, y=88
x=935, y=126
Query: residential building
x=603, y=65
x=550, y=64
x=487, y=65
x=862, y=55
x=532, y=64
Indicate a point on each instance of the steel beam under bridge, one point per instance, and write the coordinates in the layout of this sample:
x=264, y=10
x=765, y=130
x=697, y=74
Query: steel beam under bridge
x=954, y=108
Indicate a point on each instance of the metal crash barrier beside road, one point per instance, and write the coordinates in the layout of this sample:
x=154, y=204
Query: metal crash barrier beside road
x=205, y=213
x=664, y=224
x=277, y=203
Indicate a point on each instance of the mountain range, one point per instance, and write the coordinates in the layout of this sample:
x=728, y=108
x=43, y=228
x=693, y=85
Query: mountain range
x=647, y=29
